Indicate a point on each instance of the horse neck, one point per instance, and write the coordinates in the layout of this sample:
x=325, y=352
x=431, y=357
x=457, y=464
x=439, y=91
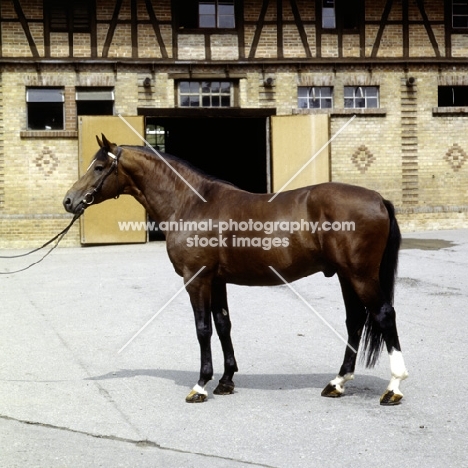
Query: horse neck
x=158, y=188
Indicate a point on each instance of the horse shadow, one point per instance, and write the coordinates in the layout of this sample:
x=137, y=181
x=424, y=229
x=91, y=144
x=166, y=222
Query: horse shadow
x=364, y=384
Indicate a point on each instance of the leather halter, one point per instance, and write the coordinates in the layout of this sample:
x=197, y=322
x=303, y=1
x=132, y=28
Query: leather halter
x=88, y=199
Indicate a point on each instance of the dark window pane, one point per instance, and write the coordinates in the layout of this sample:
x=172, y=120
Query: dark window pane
x=315, y=103
x=194, y=101
x=207, y=21
x=207, y=9
x=45, y=116
x=372, y=103
x=94, y=107
x=184, y=86
x=215, y=101
x=225, y=101
x=460, y=22
x=360, y=103
x=226, y=87
x=460, y=9
x=226, y=22
x=206, y=101
x=226, y=8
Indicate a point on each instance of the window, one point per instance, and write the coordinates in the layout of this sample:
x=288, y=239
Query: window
x=361, y=97
x=45, y=108
x=453, y=96
x=205, y=94
x=74, y=15
x=315, y=97
x=94, y=101
x=459, y=14
x=328, y=14
x=214, y=14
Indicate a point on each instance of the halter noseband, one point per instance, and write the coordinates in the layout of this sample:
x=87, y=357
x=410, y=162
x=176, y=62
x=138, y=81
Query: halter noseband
x=115, y=162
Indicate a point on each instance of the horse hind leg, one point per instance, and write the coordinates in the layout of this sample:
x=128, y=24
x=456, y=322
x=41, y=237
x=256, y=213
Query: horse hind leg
x=386, y=322
x=220, y=312
x=380, y=329
x=355, y=320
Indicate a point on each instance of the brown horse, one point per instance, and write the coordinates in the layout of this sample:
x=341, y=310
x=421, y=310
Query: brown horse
x=217, y=233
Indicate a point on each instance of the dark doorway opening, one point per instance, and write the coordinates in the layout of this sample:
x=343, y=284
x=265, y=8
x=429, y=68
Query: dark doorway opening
x=231, y=149
x=231, y=145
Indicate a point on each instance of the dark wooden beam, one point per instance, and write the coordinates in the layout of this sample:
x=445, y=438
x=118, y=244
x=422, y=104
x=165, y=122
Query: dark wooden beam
x=300, y=27
x=25, y=26
x=383, y=23
x=258, y=31
x=428, y=27
x=134, y=27
x=156, y=28
x=405, y=25
x=279, y=29
x=111, y=30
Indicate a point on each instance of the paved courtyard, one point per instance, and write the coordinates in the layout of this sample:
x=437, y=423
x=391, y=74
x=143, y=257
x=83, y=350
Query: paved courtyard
x=69, y=399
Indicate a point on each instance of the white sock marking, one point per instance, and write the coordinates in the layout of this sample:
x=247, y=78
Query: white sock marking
x=340, y=380
x=200, y=390
x=398, y=370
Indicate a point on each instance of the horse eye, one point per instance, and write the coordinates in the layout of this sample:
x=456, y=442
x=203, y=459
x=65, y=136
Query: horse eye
x=98, y=168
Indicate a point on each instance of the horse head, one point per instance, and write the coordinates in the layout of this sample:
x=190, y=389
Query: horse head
x=100, y=182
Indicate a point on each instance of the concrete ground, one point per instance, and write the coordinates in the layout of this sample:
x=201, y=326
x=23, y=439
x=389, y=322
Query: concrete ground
x=69, y=399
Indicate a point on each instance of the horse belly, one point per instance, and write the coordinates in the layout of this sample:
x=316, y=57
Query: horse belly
x=258, y=267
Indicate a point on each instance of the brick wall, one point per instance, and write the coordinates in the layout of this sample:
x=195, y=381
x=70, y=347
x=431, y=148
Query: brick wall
x=409, y=150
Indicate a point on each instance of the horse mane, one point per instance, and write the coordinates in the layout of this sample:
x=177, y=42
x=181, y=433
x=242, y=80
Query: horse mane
x=169, y=157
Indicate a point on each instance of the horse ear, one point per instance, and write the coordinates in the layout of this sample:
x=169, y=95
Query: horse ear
x=100, y=143
x=107, y=144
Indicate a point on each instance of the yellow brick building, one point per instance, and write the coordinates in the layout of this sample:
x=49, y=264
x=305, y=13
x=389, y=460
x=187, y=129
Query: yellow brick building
x=213, y=77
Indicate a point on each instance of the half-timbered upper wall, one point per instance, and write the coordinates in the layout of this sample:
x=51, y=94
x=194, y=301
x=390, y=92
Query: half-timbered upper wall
x=263, y=30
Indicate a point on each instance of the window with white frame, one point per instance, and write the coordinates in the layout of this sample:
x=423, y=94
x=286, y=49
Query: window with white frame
x=205, y=93
x=315, y=97
x=45, y=108
x=361, y=97
x=459, y=14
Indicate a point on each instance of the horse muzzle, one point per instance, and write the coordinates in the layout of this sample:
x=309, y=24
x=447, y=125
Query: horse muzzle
x=75, y=205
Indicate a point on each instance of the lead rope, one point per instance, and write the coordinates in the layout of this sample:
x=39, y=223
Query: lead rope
x=61, y=234
x=58, y=237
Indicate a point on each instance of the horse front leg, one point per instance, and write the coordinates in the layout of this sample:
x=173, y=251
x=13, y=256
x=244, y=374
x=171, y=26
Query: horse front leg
x=220, y=311
x=200, y=297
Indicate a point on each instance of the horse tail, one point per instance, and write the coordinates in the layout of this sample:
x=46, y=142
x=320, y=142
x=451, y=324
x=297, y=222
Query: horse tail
x=373, y=338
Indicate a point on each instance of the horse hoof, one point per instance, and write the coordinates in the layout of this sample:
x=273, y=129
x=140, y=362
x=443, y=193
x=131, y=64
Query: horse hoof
x=330, y=391
x=224, y=389
x=195, y=397
x=389, y=398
